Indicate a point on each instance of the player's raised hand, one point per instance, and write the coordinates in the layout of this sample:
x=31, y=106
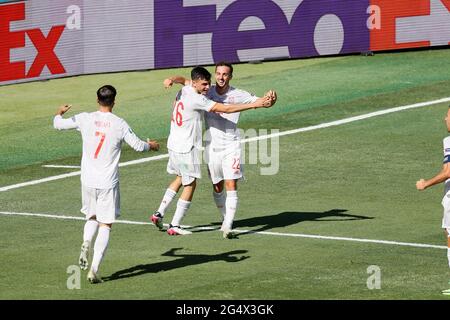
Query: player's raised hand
x=63, y=109
x=168, y=83
x=272, y=95
x=420, y=185
x=153, y=144
x=268, y=100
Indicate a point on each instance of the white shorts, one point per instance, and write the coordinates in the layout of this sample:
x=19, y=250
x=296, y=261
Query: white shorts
x=224, y=164
x=185, y=165
x=446, y=217
x=102, y=203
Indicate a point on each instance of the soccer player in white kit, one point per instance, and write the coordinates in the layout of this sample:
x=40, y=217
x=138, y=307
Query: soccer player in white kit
x=442, y=176
x=102, y=134
x=223, y=145
x=185, y=140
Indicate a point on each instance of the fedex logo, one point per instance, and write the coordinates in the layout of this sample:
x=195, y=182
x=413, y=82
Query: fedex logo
x=173, y=21
x=348, y=25
x=44, y=44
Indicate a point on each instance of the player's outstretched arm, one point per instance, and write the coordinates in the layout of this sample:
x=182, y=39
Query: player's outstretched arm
x=264, y=102
x=422, y=184
x=136, y=143
x=176, y=79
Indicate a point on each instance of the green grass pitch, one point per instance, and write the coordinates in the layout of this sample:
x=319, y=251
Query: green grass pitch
x=355, y=180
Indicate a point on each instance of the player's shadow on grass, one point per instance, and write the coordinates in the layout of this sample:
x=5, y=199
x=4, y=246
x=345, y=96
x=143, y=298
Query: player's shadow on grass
x=184, y=260
x=288, y=218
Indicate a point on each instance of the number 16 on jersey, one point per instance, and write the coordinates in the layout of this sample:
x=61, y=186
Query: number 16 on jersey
x=177, y=117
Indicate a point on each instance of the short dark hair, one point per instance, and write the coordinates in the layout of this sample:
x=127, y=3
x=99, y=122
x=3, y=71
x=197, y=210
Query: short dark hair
x=106, y=95
x=225, y=64
x=200, y=73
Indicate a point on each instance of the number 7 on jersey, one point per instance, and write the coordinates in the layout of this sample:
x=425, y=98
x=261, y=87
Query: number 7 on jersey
x=102, y=139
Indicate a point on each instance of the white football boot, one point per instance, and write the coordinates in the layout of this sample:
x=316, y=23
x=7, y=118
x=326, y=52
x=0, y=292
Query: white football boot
x=84, y=255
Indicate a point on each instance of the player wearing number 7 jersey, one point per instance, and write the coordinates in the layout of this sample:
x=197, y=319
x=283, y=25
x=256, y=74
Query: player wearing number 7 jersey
x=185, y=140
x=102, y=133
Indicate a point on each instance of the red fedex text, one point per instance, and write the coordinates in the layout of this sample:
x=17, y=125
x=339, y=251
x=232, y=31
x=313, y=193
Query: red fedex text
x=44, y=45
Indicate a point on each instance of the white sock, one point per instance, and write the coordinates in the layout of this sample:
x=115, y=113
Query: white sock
x=90, y=228
x=219, y=199
x=231, y=207
x=182, y=208
x=101, y=244
x=448, y=256
x=166, y=201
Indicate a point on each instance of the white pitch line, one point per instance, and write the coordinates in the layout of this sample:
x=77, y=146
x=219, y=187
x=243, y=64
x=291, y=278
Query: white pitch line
x=312, y=236
x=33, y=182
x=63, y=217
x=278, y=134
x=77, y=173
x=60, y=166
x=348, y=120
x=298, y=235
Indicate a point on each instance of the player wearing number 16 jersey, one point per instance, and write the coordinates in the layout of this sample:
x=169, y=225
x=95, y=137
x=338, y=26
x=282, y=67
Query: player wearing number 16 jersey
x=184, y=142
x=102, y=134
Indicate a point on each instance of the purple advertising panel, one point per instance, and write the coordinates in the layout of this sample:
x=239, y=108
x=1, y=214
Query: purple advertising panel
x=243, y=30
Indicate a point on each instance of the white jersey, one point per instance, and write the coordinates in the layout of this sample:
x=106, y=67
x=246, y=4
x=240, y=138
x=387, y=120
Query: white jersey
x=447, y=160
x=102, y=134
x=186, y=124
x=222, y=127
